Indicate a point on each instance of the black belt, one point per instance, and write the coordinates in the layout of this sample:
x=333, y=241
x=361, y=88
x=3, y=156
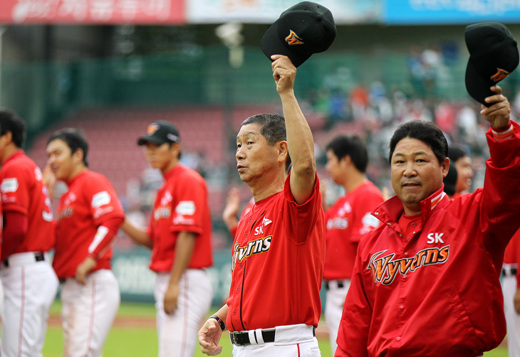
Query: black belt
x=339, y=284
x=241, y=338
x=511, y=270
x=38, y=257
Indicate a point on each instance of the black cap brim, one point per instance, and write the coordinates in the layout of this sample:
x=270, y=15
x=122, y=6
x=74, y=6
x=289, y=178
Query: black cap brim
x=477, y=86
x=149, y=139
x=272, y=44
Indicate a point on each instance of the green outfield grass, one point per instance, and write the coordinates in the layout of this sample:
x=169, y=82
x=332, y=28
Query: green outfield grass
x=133, y=340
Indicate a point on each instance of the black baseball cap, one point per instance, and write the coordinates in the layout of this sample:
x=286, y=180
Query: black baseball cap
x=493, y=56
x=160, y=132
x=301, y=30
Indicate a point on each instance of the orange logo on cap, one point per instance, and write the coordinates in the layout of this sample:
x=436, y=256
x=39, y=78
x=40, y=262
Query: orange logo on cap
x=293, y=39
x=501, y=74
x=152, y=128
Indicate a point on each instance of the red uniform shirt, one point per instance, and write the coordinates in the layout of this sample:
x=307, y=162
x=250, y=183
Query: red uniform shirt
x=436, y=292
x=181, y=204
x=347, y=220
x=277, y=263
x=90, y=201
x=23, y=191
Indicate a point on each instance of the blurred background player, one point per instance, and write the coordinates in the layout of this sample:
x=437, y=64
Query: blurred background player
x=347, y=220
x=179, y=235
x=460, y=158
x=511, y=291
x=450, y=181
x=88, y=218
x=283, y=233
x=229, y=215
x=29, y=283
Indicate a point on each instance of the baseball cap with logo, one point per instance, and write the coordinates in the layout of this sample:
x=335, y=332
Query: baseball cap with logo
x=493, y=56
x=160, y=132
x=301, y=30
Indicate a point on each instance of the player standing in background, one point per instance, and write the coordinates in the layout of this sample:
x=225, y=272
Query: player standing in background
x=30, y=284
x=347, y=220
x=511, y=291
x=88, y=218
x=179, y=235
x=277, y=260
x=462, y=161
x=229, y=215
x=426, y=282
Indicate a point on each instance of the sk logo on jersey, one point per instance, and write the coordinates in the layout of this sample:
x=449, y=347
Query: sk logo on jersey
x=257, y=246
x=260, y=229
x=293, y=39
x=385, y=269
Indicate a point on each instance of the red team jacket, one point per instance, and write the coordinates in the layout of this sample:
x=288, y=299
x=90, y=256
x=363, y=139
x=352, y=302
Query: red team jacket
x=89, y=202
x=436, y=292
x=277, y=263
x=23, y=191
x=347, y=221
x=512, y=255
x=181, y=204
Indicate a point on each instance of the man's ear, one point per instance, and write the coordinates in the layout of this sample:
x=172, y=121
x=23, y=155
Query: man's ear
x=283, y=150
x=445, y=167
x=78, y=156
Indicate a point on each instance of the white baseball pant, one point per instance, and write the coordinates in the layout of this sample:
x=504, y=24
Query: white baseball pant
x=512, y=318
x=334, y=309
x=177, y=333
x=30, y=287
x=290, y=341
x=88, y=312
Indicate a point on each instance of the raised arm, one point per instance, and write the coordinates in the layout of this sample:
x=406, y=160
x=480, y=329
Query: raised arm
x=501, y=194
x=299, y=136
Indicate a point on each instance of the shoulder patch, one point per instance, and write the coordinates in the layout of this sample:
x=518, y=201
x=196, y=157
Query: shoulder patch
x=100, y=199
x=185, y=207
x=9, y=185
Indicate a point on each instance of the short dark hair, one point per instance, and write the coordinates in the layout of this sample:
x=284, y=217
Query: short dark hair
x=450, y=180
x=74, y=139
x=352, y=146
x=11, y=122
x=425, y=131
x=456, y=152
x=272, y=128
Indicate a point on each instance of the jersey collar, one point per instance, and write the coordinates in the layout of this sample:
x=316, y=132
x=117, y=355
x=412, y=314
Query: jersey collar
x=389, y=211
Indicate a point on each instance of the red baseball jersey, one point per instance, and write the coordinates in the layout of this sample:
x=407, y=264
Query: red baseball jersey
x=436, y=290
x=89, y=201
x=347, y=221
x=181, y=205
x=277, y=263
x=23, y=191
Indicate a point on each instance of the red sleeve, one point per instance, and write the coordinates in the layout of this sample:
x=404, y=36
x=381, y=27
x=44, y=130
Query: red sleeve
x=15, y=195
x=104, y=237
x=302, y=217
x=15, y=227
x=355, y=321
x=500, y=202
x=188, y=214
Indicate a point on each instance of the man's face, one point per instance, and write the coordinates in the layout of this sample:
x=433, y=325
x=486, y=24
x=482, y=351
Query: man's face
x=161, y=156
x=61, y=160
x=464, y=173
x=334, y=167
x=255, y=157
x=416, y=173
